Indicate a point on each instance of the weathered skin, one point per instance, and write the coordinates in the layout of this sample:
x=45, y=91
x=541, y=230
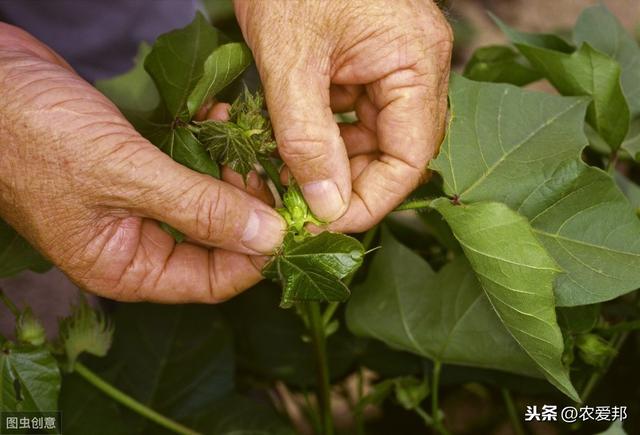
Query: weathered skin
x=86, y=189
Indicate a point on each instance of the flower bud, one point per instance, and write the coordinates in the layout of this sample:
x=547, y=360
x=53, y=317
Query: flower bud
x=594, y=350
x=85, y=330
x=29, y=329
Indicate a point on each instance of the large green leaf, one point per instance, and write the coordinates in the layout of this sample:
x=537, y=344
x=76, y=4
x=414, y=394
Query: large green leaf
x=16, y=254
x=238, y=415
x=313, y=269
x=176, y=63
x=29, y=379
x=517, y=274
x=590, y=229
x=445, y=316
x=529, y=145
x=503, y=141
x=271, y=345
x=583, y=72
x=500, y=64
x=221, y=67
x=578, y=320
x=388, y=362
x=542, y=40
x=630, y=189
x=601, y=29
x=591, y=73
x=176, y=359
x=133, y=90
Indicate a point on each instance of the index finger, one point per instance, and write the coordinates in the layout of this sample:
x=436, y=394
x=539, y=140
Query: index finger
x=412, y=106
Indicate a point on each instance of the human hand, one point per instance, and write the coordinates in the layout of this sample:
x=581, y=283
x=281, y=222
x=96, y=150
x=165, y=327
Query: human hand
x=87, y=190
x=388, y=60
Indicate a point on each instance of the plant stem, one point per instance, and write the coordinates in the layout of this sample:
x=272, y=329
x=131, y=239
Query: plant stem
x=424, y=416
x=272, y=173
x=435, y=405
x=620, y=327
x=329, y=312
x=318, y=341
x=416, y=204
x=617, y=340
x=130, y=402
x=611, y=164
x=9, y=303
x=516, y=424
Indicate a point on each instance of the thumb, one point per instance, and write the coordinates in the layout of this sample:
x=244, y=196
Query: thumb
x=207, y=210
x=308, y=137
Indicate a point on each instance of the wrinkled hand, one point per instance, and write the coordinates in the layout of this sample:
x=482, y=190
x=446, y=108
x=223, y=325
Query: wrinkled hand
x=388, y=60
x=86, y=189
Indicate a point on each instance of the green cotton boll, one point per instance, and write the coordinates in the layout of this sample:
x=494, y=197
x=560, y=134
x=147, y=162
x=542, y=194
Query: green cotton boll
x=296, y=210
x=29, y=329
x=594, y=350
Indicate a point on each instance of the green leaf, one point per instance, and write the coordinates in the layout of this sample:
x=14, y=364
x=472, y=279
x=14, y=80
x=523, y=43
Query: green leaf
x=502, y=140
x=29, y=379
x=584, y=72
x=176, y=359
x=136, y=96
x=313, y=269
x=184, y=148
x=133, y=90
x=222, y=66
x=588, y=226
x=500, y=64
x=578, y=320
x=598, y=27
x=387, y=362
x=630, y=189
x=631, y=143
x=445, y=317
x=529, y=145
x=271, y=345
x=239, y=415
x=16, y=254
x=517, y=275
x=176, y=63
x=542, y=40
x=175, y=139
x=591, y=73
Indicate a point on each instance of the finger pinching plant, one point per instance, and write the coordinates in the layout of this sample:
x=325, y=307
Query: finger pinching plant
x=515, y=268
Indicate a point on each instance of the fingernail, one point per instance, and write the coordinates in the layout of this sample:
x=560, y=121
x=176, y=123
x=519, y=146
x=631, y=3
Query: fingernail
x=324, y=199
x=264, y=231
